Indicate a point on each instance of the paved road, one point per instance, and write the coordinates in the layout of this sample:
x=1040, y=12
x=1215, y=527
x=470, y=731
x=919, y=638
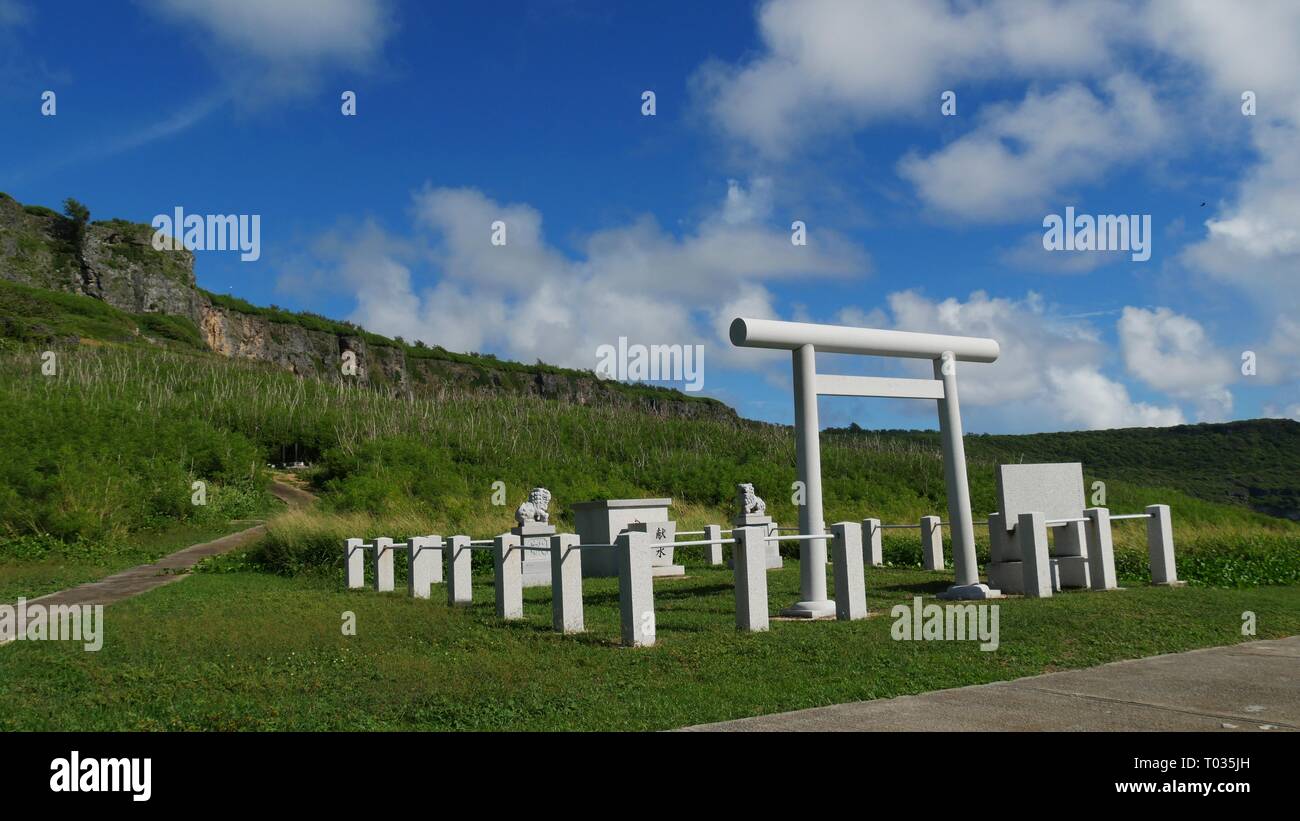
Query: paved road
x=1252, y=686
x=143, y=578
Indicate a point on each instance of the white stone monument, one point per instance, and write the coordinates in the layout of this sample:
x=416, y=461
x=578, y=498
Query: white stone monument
x=602, y=522
x=804, y=340
x=534, y=531
x=1021, y=558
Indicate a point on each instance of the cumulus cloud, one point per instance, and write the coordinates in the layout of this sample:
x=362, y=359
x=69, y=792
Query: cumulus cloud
x=1049, y=373
x=529, y=300
x=1085, y=109
x=1172, y=353
x=1252, y=243
x=1086, y=398
x=1020, y=156
x=826, y=64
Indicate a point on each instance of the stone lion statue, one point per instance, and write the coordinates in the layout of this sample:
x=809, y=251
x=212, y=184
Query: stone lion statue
x=749, y=500
x=536, y=509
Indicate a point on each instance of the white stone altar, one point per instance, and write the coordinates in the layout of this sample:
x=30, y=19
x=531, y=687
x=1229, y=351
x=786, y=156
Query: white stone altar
x=601, y=522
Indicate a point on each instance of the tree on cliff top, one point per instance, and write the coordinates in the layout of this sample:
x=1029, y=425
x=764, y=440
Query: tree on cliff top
x=80, y=215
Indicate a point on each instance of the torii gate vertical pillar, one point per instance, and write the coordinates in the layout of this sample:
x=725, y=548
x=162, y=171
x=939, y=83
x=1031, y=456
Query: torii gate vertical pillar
x=808, y=467
x=966, y=571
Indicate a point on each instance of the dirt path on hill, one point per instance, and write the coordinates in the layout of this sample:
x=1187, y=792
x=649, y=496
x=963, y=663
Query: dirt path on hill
x=174, y=567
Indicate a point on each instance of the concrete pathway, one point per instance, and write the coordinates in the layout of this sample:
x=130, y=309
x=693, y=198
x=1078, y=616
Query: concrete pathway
x=1251, y=686
x=143, y=578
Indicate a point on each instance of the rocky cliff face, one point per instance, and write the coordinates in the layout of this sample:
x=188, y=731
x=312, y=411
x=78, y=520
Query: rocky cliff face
x=119, y=266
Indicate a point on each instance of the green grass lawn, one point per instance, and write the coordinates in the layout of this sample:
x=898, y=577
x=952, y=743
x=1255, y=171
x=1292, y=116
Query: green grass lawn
x=243, y=650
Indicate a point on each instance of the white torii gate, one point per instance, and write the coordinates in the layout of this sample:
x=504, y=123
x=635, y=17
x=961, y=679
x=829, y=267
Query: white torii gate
x=803, y=340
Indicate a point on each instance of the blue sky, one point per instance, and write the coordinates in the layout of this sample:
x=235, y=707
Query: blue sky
x=663, y=228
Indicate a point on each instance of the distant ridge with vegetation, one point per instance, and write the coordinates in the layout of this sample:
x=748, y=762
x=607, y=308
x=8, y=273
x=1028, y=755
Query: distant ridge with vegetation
x=1254, y=462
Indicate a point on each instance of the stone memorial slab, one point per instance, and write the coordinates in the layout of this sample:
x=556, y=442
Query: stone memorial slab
x=601, y=522
x=1055, y=490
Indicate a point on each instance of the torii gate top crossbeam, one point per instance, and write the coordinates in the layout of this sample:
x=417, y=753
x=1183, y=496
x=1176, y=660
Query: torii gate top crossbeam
x=773, y=333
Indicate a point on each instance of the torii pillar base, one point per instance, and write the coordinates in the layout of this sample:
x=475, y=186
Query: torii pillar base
x=810, y=610
x=970, y=592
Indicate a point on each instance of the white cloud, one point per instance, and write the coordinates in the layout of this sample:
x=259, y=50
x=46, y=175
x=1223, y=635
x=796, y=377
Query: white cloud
x=281, y=46
x=528, y=300
x=1086, y=398
x=1049, y=374
x=1253, y=243
x=1235, y=46
x=461, y=220
x=1173, y=354
x=1278, y=359
x=831, y=63
x=746, y=206
x=1282, y=412
x=1020, y=156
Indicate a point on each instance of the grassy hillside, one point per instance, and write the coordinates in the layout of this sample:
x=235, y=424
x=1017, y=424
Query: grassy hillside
x=112, y=442
x=1254, y=463
x=37, y=315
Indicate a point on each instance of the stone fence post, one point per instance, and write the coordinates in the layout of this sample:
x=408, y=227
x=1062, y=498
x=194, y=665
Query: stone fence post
x=566, y=584
x=1031, y=533
x=459, y=589
x=1101, y=549
x=749, y=568
x=423, y=565
x=873, y=555
x=508, y=564
x=636, y=598
x=1160, y=545
x=383, y=564
x=846, y=561
x=932, y=542
x=354, y=563
x=713, y=552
